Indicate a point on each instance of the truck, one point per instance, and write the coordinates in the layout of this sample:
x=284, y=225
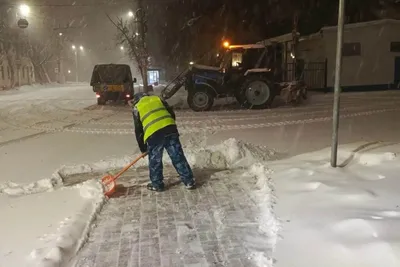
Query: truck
x=112, y=82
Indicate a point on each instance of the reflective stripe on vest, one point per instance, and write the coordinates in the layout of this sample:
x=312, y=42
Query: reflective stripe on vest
x=153, y=115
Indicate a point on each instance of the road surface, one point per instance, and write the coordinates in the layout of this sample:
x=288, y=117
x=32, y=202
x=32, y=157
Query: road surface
x=43, y=129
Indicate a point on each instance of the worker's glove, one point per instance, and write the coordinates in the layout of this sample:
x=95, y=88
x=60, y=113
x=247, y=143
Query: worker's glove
x=143, y=149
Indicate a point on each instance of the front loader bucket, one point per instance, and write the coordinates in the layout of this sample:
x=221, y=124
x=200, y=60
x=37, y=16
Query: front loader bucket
x=174, y=85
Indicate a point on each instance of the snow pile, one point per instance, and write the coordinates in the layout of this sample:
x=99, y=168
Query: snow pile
x=268, y=223
x=348, y=216
x=73, y=231
x=49, y=85
x=15, y=189
x=229, y=154
x=372, y=159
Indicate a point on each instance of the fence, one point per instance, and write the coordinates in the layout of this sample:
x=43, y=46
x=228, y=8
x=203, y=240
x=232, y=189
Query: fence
x=314, y=74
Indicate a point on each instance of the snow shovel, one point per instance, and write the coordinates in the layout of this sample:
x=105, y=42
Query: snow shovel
x=108, y=181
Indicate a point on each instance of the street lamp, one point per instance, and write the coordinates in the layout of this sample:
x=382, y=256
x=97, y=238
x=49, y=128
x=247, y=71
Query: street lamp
x=60, y=34
x=130, y=14
x=24, y=10
x=226, y=44
x=69, y=71
x=122, y=48
x=76, y=61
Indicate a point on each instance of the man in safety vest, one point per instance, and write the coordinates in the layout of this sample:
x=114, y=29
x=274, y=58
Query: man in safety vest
x=155, y=129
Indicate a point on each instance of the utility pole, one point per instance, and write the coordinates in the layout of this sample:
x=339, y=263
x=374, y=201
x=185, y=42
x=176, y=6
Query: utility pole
x=338, y=72
x=60, y=47
x=76, y=67
x=60, y=76
x=142, y=35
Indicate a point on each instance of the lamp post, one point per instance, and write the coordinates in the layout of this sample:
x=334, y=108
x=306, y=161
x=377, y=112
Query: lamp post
x=23, y=13
x=74, y=48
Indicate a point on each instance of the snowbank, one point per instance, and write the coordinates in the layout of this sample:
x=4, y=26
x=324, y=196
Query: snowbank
x=344, y=217
x=73, y=232
x=40, y=86
x=269, y=225
x=229, y=154
x=50, y=85
x=55, y=223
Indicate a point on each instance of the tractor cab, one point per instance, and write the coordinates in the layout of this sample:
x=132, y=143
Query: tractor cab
x=239, y=60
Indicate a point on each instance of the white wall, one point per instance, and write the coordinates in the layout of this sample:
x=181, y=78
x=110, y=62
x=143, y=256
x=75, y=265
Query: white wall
x=375, y=65
x=312, y=50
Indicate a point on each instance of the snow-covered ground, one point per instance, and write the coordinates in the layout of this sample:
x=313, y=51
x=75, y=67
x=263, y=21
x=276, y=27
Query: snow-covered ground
x=347, y=217
x=43, y=129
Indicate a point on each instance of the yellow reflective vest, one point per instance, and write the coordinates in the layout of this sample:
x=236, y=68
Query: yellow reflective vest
x=153, y=115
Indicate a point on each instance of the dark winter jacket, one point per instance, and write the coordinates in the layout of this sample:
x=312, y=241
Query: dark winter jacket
x=158, y=136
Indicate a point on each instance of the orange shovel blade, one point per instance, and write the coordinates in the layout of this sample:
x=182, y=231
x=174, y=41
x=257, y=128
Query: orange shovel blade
x=109, y=184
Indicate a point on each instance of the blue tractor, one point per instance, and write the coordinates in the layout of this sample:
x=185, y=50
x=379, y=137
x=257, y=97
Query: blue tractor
x=246, y=72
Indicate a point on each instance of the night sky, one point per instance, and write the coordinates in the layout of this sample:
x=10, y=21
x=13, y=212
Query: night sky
x=184, y=30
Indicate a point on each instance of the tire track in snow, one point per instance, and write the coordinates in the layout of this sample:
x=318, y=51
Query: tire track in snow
x=221, y=120
x=229, y=127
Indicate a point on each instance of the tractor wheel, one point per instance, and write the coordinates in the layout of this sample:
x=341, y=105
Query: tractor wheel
x=256, y=93
x=200, y=100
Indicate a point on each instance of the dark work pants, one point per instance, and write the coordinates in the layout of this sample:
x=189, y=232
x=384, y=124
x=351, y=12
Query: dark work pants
x=174, y=149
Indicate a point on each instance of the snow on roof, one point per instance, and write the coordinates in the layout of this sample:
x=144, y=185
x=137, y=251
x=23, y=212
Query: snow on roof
x=278, y=39
x=247, y=46
x=313, y=36
x=364, y=24
x=319, y=34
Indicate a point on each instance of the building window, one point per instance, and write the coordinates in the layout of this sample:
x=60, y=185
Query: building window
x=153, y=76
x=395, y=47
x=351, y=49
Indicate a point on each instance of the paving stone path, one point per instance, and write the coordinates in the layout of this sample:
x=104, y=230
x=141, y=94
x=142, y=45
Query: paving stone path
x=178, y=227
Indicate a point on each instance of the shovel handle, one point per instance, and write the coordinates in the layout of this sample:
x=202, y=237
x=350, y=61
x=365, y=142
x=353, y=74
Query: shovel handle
x=130, y=165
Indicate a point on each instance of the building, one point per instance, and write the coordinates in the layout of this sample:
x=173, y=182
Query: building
x=371, y=56
x=22, y=73
x=14, y=71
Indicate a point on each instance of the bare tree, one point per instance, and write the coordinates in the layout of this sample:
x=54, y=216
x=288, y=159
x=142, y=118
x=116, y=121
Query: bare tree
x=41, y=53
x=127, y=36
x=12, y=49
x=15, y=45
